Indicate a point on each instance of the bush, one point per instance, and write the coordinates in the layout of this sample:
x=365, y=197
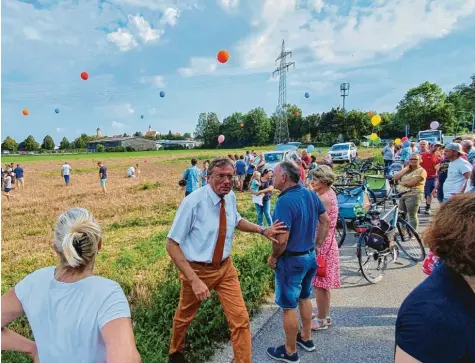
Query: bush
x=129, y=149
x=100, y=148
x=117, y=149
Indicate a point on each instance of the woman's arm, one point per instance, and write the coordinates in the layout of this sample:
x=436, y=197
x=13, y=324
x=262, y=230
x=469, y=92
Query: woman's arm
x=120, y=342
x=416, y=179
x=399, y=175
x=403, y=357
x=11, y=310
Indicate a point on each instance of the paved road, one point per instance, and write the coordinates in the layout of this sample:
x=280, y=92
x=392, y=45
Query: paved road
x=364, y=315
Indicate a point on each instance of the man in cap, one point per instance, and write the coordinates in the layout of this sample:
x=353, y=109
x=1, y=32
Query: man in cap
x=458, y=173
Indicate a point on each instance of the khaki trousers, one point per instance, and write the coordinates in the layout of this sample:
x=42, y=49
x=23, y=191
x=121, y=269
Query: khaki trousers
x=224, y=281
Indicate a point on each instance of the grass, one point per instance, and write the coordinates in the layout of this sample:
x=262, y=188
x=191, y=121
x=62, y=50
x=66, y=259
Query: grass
x=135, y=216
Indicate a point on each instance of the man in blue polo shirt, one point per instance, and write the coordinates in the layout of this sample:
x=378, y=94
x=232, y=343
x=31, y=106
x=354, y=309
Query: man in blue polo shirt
x=294, y=258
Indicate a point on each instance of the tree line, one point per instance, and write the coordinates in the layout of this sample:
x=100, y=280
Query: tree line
x=419, y=107
x=30, y=144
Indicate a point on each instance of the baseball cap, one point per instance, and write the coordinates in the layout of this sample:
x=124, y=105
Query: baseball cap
x=455, y=147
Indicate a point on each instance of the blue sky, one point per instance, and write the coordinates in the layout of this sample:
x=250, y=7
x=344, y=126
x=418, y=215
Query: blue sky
x=133, y=49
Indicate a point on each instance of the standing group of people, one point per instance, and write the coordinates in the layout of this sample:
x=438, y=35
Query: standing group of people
x=66, y=174
x=12, y=177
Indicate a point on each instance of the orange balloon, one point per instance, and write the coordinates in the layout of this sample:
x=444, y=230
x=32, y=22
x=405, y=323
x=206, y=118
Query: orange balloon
x=223, y=56
x=296, y=114
x=370, y=113
x=25, y=112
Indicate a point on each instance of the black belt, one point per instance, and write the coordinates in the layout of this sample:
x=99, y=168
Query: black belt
x=209, y=264
x=293, y=253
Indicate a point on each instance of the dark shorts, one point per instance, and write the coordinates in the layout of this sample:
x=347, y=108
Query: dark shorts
x=429, y=187
x=293, y=279
x=7, y=190
x=66, y=179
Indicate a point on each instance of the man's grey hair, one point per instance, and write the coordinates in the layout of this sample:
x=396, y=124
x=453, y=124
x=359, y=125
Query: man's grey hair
x=219, y=162
x=467, y=143
x=291, y=170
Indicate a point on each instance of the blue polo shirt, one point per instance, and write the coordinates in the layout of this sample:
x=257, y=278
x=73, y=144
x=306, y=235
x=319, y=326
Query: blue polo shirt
x=299, y=209
x=240, y=167
x=436, y=322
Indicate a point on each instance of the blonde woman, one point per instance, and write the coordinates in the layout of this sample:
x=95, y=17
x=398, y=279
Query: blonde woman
x=412, y=180
x=74, y=315
x=321, y=181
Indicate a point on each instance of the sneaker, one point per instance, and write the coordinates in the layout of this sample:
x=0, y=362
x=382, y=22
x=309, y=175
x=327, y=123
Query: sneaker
x=395, y=252
x=305, y=344
x=329, y=320
x=281, y=355
x=319, y=324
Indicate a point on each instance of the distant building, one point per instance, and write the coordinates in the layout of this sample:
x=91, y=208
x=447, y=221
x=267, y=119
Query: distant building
x=173, y=144
x=98, y=133
x=150, y=133
x=134, y=142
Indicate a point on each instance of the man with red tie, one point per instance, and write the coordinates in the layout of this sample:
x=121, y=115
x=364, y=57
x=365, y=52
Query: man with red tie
x=199, y=243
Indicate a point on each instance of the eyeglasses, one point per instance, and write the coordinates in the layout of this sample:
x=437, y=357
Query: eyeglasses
x=413, y=159
x=221, y=177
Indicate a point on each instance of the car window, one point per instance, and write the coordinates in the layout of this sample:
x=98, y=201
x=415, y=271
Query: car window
x=274, y=157
x=340, y=147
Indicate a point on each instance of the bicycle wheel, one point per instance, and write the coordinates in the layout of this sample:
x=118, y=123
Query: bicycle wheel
x=410, y=242
x=370, y=260
x=340, y=230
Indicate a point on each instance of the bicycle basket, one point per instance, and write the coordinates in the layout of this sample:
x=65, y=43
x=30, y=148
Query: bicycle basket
x=377, y=239
x=349, y=199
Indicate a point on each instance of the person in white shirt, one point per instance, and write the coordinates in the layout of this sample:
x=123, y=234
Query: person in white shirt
x=66, y=172
x=199, y=243
x=74, y=315
x=7, y=186
x=133, y=172
x=458, y=173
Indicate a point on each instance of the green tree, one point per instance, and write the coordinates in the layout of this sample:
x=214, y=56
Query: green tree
x=31, y=144
x=138, y=134
x=100, y=148
x=294, y=120
x=201, y=126
x=211, y=129
x=187, y=135
x=9, y=144
x=48, y=143
x=257, y=127
x=231, y=128
x=64, y=144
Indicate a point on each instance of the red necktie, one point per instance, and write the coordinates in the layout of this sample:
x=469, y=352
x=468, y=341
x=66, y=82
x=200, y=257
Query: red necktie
x=219, y=249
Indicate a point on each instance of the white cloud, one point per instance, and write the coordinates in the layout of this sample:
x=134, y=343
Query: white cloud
x=118, y=125
x=228, y=5
x=123, y=39
x=59, y=129
x=144, y=29
x=31, y=33
x=198, y=66
x=115, y=110
x=158, y=80
x=170, y=16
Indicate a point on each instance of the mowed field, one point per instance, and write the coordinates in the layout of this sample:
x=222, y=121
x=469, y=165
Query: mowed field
x=135, y=217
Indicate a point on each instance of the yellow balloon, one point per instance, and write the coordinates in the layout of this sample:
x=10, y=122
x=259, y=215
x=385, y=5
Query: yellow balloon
x=397, y=141
x=373, y=136
x=375, y=120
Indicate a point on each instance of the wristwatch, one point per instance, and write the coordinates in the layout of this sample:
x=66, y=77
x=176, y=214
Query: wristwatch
x=263, y=229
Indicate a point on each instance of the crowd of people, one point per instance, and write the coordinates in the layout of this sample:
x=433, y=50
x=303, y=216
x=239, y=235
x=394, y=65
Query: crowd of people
x=76, y=316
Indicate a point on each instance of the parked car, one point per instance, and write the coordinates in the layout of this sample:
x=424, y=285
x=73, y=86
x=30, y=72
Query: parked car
x=287, y=152
x=345, y=151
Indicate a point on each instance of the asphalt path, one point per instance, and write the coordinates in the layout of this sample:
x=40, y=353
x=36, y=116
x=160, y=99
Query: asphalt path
x=363, y=315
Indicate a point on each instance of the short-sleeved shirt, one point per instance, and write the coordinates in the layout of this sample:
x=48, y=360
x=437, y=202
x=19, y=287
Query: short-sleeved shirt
x=419, y=187
x=265, y=185
x=250, y=169
x=67, y=318
x=66, y=168
x=388, y=153
x=436, y=322
x=455, y=178
x=18, y=172
x=299, y=208
x=196, y=224
x=255, y=185
x=471, y=156
x=8, y=182
x=443, y=169
x=240, y=167
x=204, y=177
x=429, y=162
x=405, y=153
x=192, y=176
x=307, y=159
x=103, y=172
x=131, y=171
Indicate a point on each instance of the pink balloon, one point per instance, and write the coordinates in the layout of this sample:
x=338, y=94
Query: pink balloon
x=145, y=161
x=220, y=139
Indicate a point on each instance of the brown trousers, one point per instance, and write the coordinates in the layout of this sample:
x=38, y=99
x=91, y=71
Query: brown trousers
x=224, y=281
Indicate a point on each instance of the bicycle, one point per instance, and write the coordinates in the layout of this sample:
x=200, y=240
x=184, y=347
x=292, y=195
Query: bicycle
x=341, y=230
x=379, y=241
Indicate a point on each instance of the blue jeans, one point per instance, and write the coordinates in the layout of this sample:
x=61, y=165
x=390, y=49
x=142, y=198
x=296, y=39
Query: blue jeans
x=387, y=164
x=293, y=279
x=263, y=210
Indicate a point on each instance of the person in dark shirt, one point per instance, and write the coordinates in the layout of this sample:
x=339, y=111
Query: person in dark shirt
x=20, y=180
x=436, y=322
x=240, y=167
x=102, y=176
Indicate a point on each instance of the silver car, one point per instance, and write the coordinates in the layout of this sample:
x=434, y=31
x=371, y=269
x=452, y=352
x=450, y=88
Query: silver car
x=287, y=152
x=345, y=151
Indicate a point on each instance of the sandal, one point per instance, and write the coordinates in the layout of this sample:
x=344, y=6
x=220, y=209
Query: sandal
x=329, y=319
x=319, y=324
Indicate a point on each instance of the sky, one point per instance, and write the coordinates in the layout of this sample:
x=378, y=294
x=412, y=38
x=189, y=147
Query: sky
x=133, y=49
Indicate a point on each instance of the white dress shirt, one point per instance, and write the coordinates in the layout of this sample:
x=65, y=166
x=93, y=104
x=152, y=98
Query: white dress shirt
x=196, y=224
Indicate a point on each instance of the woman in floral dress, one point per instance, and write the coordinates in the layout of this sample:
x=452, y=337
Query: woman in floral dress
x=322, y=179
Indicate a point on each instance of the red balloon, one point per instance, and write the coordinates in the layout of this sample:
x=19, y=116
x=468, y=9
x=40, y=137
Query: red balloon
x=84, y=76
x=223, y=56
x=296, y=114
x=404, y=139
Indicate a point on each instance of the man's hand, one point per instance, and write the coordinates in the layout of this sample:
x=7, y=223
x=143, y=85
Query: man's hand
x=200, y=290
x=276, y=228
x=317, y=250
x=272, y=262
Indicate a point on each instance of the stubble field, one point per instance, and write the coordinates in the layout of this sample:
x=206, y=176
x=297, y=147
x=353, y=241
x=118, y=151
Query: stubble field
x=135, y=217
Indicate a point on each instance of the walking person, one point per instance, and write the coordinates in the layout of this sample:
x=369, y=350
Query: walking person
x=458, y=173
x=266, y=186
x=240, y=172
x=192, y=176
x=388, y=156
x=321, y=182
x=199, y=243
x=411, y=180
x=66, y=172
x=7, y=186
x=204, y=173
x=20, y=178
x=294, y=258
x=74, y=315
x=429, y=161
x=102, y=176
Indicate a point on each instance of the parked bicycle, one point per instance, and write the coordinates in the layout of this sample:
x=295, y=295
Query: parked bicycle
x=379, y=241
